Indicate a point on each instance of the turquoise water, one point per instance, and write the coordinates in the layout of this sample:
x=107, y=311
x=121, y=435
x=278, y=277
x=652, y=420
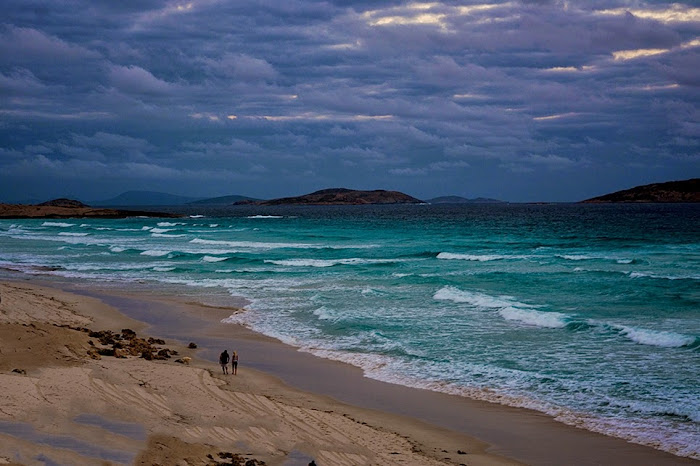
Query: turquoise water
x=588, y=313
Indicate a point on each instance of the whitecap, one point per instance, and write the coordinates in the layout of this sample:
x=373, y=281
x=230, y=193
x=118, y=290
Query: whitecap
x=265, y=216
x=72, y=234
x=663, y=338
x=213, y=259
x=155, y=253
x=163, y=235
x=535, y=318
x=327, y=262
x=507, y=307
x=161, y=230
x=254, y=244
x=450, y=293
x=57, y=224
x=475, y=257
x=168, y=224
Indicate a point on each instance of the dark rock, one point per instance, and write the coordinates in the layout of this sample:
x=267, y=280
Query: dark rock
x=63, y=202
x=147, y=355
x=460, y=452
x=128, y=334
x=156, y=341
x=192, y=345
x=20, y=371
x=343, y=196
x=106, y=351
x=671, y=191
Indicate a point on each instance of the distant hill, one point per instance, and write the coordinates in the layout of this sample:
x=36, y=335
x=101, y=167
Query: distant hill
x=463, y=200
x=68, y=208
x=342, y=196
x=63, y=202
x=143, y=198
x=223, y=200
x=671, y=191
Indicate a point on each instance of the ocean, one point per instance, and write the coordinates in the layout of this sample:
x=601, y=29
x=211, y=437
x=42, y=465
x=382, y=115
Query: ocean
x=589, y=313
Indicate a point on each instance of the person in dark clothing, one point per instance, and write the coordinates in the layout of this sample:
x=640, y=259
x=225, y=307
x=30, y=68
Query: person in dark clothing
x=223, y=360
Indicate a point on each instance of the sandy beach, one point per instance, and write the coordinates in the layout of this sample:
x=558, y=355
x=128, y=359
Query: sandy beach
x=62, y=402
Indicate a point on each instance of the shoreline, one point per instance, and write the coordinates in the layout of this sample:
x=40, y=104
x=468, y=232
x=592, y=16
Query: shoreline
x=493, y=432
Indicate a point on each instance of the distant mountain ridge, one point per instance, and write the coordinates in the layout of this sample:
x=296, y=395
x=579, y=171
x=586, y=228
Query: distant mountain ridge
x=342, y=196
x=671, y=191
x=143, y=198
x=463, y=200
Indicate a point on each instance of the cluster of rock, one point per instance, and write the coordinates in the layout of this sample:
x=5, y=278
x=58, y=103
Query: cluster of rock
x=232, y=459
x=126, y=343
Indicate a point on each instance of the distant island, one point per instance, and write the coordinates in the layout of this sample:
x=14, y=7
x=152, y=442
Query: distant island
x=341, y=196
x=463, y=200
x=223, y=200
x=69, y=208
x=671, y=191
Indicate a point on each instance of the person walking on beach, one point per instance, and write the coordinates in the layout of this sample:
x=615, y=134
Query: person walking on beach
x=234, y=363
x=223, y=360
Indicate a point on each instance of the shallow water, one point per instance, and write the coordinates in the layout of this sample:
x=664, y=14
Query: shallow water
x=588, y=313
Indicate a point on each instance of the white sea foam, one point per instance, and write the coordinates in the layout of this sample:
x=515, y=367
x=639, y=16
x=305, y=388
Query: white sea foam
x=475, y=257
x=213, y=259
x=62, y=233
x=535, y=318
x=265, y=216
x=575, y=257
x=164, y=235
x=662, y=277
x=168, y=224
x=58, y=224
x=163, y=269
x=254, y=244
x=117, y=249
x=661, y=338
x=450, y=293
x=327, y=262
x=196, y=216
x=507, y=307
x=146, y=228
x=155, y=253
x=161, y=230
x=624, y=261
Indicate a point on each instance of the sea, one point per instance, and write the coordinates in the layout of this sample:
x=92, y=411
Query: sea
x=589, y=313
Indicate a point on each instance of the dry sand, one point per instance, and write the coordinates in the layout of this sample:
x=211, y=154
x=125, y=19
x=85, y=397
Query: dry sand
x=63, y=407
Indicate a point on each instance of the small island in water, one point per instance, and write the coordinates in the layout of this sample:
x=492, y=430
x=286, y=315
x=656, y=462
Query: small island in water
x=69, y=208
x=671, y=191
x=341, y=196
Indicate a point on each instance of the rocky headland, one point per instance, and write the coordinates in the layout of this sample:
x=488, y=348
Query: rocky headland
x=671, y=191
x=69, y=208
x=341, y=196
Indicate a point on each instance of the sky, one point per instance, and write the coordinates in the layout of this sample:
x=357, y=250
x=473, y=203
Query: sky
x=520, y=101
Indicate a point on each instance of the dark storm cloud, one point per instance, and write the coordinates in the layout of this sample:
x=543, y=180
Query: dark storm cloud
x=530, y=100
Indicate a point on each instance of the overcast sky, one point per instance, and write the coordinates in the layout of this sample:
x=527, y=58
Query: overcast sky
x=520, y=101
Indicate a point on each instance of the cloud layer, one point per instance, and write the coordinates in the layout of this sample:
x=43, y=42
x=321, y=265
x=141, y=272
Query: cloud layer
x=523, y=101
